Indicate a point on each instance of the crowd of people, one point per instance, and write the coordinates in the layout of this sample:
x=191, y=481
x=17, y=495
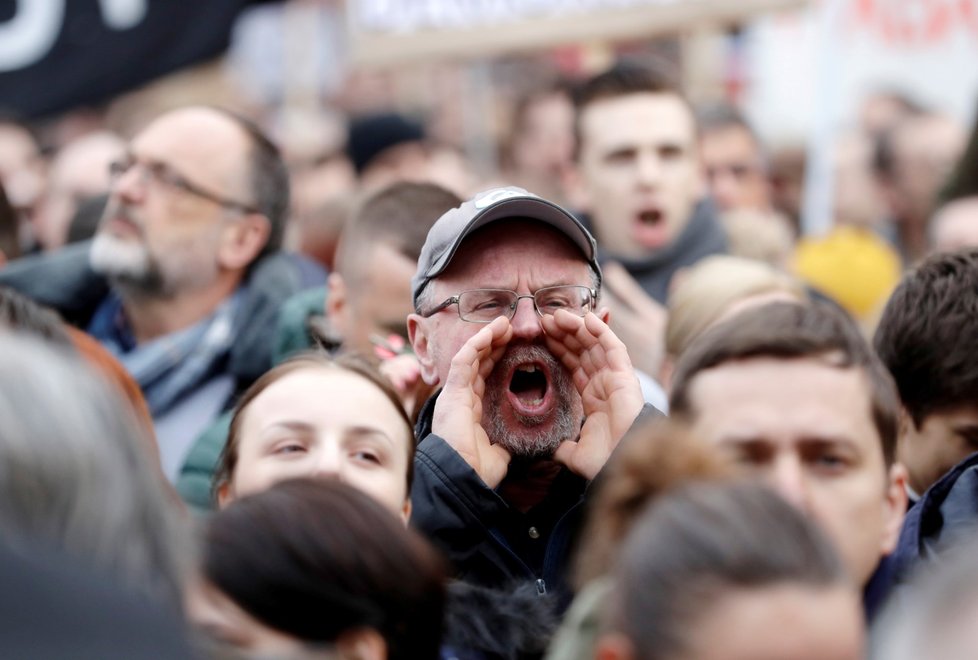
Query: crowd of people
x=604, y=404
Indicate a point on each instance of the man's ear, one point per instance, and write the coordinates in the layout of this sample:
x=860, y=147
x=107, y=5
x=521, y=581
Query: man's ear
x=418, y=336
x=243, y=240
x=224, y=495
x=337, y=303
x=894, y=507
x=604, y=313
x=614, y=646
x=406, y=510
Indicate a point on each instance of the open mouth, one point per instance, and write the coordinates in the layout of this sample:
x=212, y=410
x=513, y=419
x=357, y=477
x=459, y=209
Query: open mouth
x=650, y=217
x=529, y=388
x=650, y=227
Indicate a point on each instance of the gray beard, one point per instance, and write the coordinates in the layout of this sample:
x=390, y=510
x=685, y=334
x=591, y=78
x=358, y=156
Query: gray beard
x=531, y=439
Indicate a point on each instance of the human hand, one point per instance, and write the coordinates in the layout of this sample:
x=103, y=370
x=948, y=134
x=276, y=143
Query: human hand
x=404, y=373
x=610, y=392
x=458, y=410
x=636, y=318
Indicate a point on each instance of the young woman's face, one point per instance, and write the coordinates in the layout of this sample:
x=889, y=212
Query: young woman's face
x=323, y=421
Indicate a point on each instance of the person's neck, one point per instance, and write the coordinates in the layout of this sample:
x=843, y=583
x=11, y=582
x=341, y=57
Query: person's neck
x=527, y=483
x=913, y=239
x=151, y=317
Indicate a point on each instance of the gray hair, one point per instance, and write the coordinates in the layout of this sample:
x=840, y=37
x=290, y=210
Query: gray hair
x=75, y=473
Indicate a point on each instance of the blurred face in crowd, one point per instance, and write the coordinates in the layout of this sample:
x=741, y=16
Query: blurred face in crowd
x=323, y=421
x=943, y=440
x=544, y=144
x=157, y=235
x=781, y=621
x=639, y=171
x=79, y=171
x=925, y=151
x=372, y=299
x=734, y=169
x=805, y=426
x=530, y=404
x=955, y=225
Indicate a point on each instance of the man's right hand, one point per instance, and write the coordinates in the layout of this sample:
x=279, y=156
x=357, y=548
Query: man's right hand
x=636, y=318
x=458, y=410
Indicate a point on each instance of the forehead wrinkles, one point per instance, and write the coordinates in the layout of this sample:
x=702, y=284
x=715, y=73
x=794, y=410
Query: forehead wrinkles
x=511, y=251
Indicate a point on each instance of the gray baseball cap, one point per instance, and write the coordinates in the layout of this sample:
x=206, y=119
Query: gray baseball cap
x=451, y=229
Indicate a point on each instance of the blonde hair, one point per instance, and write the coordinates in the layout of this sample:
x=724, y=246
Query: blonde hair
x=704, y=292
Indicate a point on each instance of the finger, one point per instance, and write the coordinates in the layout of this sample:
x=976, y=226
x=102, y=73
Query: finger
x=615, y=352
x=573, y=333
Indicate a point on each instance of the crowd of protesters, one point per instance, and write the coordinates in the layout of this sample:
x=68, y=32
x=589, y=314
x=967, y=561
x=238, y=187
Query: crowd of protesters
x=605, y=403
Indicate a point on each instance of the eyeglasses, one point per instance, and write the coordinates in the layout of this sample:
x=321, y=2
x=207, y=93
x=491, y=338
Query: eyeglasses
x=486, y=305
x=165, y=175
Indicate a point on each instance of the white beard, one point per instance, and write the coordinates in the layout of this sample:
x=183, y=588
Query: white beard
x=117, y=258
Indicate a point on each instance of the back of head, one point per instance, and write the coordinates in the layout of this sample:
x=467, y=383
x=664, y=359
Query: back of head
x=926, y=336
x=268, y=179
x=790, y=331
x=318, y=558
x=652, y=460
x=74, y=471
x=693, y=546
x=400, y=216
x=705, y=291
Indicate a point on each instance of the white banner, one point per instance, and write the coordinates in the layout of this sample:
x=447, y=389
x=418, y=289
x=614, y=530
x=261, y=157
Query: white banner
x=389, y=32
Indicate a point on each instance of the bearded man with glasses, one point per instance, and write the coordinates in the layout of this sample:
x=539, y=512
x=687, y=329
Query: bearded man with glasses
x=184, y=277
x=535, y=389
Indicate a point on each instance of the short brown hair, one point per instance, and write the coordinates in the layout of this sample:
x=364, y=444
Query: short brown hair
x=351, y=362
x=399, y=215
x=792, y=331
x=927, y=334
x=622, y=79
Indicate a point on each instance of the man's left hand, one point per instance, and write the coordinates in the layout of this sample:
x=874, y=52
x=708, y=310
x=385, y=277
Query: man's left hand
x=602, y=372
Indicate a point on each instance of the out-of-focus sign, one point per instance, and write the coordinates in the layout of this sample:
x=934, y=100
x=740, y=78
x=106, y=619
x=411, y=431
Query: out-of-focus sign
x=59, y=54
x=385, y=32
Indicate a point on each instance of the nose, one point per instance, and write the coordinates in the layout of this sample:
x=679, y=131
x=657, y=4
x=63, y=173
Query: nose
x=526, y=321
x=788, y=478
x=130, y=185
x=328, y=463
x=649, y=168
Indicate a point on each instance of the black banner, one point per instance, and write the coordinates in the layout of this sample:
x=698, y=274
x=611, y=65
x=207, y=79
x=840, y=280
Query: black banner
x=56, y=55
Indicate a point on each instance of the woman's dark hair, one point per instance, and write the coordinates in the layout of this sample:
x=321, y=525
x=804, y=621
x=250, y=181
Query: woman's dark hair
x=700, y=541
x=315, y=558
x=351, y=362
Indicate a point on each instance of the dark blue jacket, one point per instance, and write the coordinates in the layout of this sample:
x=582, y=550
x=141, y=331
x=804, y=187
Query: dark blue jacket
x=946, y=511
x=488, y=542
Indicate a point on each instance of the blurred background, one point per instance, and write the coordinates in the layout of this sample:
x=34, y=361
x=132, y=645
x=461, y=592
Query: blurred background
x=483, y=84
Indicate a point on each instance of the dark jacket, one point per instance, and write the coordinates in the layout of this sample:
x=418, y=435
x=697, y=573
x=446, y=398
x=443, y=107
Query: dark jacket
x=488, y=542
x=64, y=281
x=947, y=511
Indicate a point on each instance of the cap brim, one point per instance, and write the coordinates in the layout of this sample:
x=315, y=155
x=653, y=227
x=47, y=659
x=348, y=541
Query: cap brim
x=532, y=208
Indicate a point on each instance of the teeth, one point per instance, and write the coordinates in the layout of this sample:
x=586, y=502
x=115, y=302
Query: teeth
x=530, y=369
